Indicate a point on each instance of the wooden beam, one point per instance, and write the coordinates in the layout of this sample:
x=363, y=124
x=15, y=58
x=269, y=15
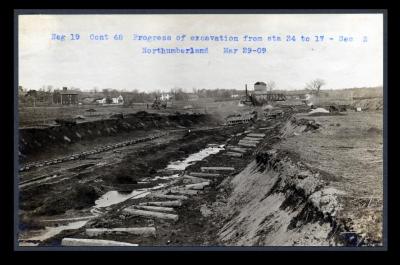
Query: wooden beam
x=151, y=214
x=80, y=242
x=129, y=230
x=163, y=203
x=217, y=168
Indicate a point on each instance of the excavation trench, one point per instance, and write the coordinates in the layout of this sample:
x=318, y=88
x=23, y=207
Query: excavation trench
x=172, y=171
x=271, y=197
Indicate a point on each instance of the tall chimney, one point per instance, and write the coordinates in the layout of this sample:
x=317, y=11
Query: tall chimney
x=246, y=90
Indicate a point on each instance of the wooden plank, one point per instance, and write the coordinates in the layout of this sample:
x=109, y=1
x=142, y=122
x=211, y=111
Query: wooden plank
x=251, y=139
x=217, y=168
x=238, y=149
x=163, y=203
x=260, y=135
x=150, y=214
x=198, y=186
x=129, y=230
x=206, y=176
x=234, y=154
x=247, y=144
x=155, y=208
x=203, y=174
x=164, y=196
x=81, y=242
x=183, y=191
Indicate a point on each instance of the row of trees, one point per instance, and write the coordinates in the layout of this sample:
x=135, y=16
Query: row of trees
x=314, y=85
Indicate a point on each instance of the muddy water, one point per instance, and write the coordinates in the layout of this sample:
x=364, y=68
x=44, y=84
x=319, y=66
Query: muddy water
x=183, y=164
x=114, y=197
x=49, y=232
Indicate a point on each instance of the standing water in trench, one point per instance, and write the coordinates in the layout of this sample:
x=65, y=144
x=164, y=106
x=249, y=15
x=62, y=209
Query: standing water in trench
x=114, y=197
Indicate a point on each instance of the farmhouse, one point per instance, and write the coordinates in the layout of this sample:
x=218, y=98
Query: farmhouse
x=65, y=97
x=118, y=100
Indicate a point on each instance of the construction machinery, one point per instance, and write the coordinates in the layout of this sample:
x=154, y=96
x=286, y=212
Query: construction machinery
x=260, y=99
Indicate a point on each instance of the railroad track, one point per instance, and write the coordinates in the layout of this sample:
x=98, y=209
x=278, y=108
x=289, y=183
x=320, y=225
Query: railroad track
x=76, y=156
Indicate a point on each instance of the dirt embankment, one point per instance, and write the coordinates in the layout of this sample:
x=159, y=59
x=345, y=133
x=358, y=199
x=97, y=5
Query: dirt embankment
x=39, y=140
x=280, y=199
x=349, y=148
x=276, y=202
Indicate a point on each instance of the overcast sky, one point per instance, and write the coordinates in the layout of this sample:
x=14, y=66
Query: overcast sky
x=121, y=65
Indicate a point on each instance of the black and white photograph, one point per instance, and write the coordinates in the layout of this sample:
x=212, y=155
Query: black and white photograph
x=149, y=130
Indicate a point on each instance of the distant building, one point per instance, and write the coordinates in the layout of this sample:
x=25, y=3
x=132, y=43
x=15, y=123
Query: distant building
x=165, y=97
x=118, y=100
x=260, y=88
x=101, y=101
x=65, y=97
x=109, y=100
x=262, y=96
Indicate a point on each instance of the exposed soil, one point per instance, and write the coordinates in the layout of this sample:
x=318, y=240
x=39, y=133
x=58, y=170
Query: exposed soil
x=291, y=189
x=40, y=143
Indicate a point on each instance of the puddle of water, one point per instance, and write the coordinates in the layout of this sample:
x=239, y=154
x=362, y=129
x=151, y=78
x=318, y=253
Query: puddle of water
x=174, y=176
x=114, y=197
x=52, y=231
x=183, y=164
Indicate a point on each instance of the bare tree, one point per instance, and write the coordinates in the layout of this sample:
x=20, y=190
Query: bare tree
x=106, y=92
x=315, y=85
x=270, y=85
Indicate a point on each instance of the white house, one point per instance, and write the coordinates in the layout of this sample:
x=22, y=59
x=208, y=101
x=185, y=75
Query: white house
x=165, y=97
x=118, y=100
x=101, y=101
